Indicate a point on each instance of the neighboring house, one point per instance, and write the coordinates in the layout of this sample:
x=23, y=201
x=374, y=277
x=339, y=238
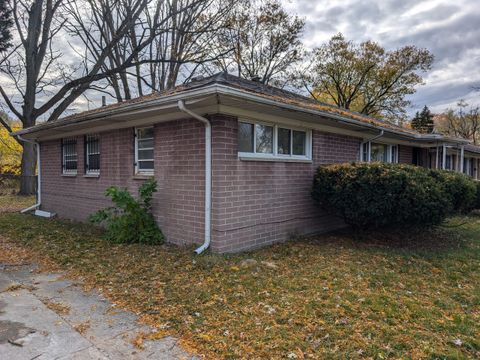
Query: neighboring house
x=234, y=159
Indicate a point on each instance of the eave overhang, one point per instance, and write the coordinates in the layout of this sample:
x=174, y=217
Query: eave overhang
x=219, y=98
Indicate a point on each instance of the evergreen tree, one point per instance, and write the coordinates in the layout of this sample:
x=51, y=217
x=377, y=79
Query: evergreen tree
x=416, y=121
x=5, y=25
x=423, y=121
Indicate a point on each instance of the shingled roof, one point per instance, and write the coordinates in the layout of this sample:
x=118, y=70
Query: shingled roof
x=250, y=86
x=268, y=92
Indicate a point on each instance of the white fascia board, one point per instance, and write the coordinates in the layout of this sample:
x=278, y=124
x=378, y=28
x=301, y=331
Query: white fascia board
x=167, y=102
x=242, y=94
x=192, y=96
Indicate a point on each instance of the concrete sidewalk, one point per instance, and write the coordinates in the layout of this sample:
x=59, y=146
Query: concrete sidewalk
x=45, y=317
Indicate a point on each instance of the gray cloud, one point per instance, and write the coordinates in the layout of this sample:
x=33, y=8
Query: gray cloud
x=449, y=30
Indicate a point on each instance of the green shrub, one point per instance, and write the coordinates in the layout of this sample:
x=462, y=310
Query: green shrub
x=131, y=220
x=477, y=205
x=374, y=195
x=460, y=188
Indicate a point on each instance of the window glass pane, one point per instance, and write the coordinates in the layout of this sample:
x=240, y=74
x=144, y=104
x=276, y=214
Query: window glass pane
x=70, y=165
x=145, y=154
x=365, y=152
x=145, y=133
x=70, y=157
x=145, y=165
x=142, y=144
x=245, y=137
x=395, y=154
x=283, y=141
x=264, y=139
x=94, y=162
x=299, y=142
x=93, y=153
x=379, y=152
x=69, y=147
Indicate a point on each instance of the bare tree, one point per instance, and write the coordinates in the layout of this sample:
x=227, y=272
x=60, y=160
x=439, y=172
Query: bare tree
x=187, y=43
x=41, y=87
x=6, y=23
x=170, y=35
x=265, y=40
x=462, y=122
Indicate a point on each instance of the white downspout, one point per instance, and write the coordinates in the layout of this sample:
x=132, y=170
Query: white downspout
x=208, y=173
x=39, y=176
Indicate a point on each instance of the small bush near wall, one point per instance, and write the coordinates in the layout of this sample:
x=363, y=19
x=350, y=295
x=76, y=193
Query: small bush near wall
x=460, y=188
x=372, y=195
x=131, y=220
x=477, y=205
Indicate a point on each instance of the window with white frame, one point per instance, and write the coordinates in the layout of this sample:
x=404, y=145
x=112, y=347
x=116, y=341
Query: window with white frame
x=379, y=152
x=69, y=156
x=92, y=154
x=272, y=141
x=144, y=146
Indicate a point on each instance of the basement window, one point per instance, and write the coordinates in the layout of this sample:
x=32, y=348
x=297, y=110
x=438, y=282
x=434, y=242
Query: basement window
x=92, y=154
x=263, y=141
x=69, y=156
x=144, y=149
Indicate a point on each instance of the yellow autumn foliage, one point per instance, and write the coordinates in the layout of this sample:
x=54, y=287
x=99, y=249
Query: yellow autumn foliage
x=10, y=151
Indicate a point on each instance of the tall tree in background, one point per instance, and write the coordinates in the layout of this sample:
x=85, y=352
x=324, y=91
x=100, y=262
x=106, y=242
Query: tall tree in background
x=265, y=40
x=464, y=122
x=10, y=150
x=423, y=121
x=40, y=85
x=365, y=77
x=170, y=35
x=6, y=23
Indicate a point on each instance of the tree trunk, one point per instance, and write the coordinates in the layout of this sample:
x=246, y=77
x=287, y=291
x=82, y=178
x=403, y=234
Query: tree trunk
x=28, y=166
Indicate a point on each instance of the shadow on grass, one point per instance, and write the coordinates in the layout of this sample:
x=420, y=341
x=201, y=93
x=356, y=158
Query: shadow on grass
x=416, y=241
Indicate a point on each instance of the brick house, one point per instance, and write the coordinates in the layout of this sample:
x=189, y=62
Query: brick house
x=234, y=159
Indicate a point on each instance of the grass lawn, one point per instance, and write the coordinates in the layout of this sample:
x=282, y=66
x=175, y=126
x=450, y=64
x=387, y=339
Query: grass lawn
x=325, y=297
x=12, y=203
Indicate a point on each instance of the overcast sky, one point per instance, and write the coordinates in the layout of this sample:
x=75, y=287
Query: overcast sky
x=449, y=29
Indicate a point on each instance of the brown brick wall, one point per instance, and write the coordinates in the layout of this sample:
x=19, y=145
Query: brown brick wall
x=179, y=171
x=405, y=154
x=256, y=203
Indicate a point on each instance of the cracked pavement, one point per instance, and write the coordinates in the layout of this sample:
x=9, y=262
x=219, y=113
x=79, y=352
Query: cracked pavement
x=43, y=316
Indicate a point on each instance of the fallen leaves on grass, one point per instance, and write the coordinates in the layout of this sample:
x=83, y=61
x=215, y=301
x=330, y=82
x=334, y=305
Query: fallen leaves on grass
x=13, y=203
x=326, y=297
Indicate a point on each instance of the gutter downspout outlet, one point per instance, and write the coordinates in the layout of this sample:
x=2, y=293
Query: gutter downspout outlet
x=208, y=173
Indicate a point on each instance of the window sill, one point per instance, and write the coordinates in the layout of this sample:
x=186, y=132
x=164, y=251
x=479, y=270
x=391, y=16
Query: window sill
x=143, y=176
x=69, y=175
x=91, y=176
x=256, y=157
